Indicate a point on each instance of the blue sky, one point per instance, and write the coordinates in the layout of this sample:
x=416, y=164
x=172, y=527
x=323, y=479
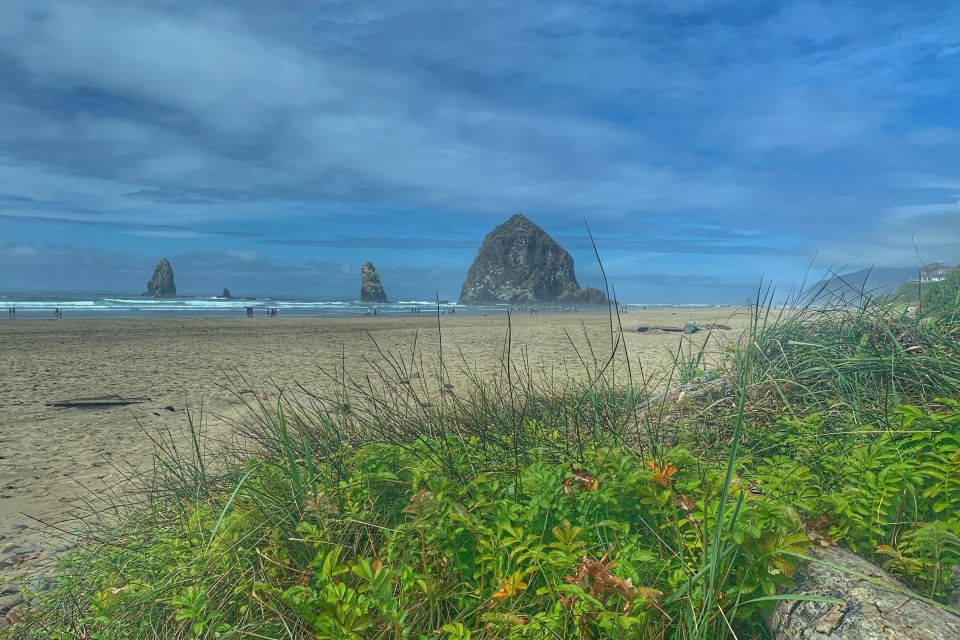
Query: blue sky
x=276, y=146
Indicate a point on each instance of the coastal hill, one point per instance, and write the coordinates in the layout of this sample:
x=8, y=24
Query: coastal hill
x=519, y=263
x=850, y=287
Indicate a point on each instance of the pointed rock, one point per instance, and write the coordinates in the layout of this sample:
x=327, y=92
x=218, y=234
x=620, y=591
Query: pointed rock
x=519, y=263
x=226, y=294
x=370, y=288
x=161, y=284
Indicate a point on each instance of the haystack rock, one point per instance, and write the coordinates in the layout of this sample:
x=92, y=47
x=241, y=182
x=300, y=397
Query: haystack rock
x=226, y=294
x=161, y=284
x=370, y=288
x=519, y=263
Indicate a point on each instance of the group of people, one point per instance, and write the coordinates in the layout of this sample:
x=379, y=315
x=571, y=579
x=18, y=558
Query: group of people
x=12, y=313
x=447, y=311
x=271, y=312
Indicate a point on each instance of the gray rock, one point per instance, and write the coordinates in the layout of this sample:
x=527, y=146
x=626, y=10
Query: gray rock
x=42, y=584
x=9, y=602
x=870, y=611
x=226, y=294
x=14, y=615
x=7, y=588
x=518, y=263
x=691, y=327
x=161, y=284
x=370, y=288
x=953, y=587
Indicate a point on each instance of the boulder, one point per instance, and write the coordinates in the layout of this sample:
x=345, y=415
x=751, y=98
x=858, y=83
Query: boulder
x=875, y=605
x=518, y=263
x=161, y=284
x=370, y=288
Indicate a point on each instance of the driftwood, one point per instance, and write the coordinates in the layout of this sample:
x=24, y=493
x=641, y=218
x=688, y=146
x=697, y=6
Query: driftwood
x=687, y=328
x=871, y=611
x=96, y=403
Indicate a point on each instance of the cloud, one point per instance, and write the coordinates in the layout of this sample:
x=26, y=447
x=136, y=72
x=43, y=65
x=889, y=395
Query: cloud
x=358, y=242
x=370, y=126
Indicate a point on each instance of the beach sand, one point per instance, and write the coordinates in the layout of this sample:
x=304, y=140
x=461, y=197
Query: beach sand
x=52, y=461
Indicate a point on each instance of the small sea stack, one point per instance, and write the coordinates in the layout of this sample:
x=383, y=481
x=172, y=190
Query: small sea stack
x=161, y=284
x=226, y=294
x=370, y=288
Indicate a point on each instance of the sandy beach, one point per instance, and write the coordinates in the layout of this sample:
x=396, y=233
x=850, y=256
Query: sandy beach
x=53, y=459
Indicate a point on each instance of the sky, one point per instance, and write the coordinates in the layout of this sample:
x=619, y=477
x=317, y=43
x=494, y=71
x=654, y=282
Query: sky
x=273, y=147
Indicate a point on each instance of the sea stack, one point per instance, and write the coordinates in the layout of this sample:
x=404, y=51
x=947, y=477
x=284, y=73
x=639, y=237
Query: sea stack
x=161, y=284
x=518, y=263
x=370, y=288
x=226, y=294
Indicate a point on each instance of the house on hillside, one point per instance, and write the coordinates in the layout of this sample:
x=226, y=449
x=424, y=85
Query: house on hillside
x=934, y=272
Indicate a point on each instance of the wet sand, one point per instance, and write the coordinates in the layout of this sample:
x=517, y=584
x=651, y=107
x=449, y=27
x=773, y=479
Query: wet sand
x=52, y=460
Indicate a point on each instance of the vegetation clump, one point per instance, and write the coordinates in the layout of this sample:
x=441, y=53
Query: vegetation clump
x=525, y=509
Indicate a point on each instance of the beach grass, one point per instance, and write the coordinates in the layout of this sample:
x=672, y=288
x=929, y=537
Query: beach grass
x=521, y=505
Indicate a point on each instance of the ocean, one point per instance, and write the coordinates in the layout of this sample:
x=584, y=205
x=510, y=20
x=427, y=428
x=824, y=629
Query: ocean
x=74, y=304
x=83, y=304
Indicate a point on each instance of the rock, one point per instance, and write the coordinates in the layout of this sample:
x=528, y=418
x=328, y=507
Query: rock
x=691, y=327
x=588, y=296
x=370, y=288
x=7, y=588
x=9, y=602
x=226, y=294
x=519, y=263
x=41, y=584
x=15, y=615
x=870, y=611
x=953, y=587
x=161, y=284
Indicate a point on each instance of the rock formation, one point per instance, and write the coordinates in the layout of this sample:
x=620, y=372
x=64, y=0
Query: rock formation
x=161, y=284
x=519, y=263
x=875, y=605
x=370, y=288
x=226, y=294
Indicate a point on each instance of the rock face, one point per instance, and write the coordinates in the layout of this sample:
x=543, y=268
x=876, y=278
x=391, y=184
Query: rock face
x=226, y=294
x=370, y=288
x=519, y=263
x=161, y=285
x=869, y=611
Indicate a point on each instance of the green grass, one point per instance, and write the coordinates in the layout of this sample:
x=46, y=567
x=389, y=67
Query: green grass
x=520, y=506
